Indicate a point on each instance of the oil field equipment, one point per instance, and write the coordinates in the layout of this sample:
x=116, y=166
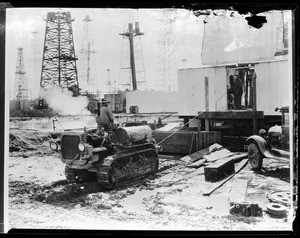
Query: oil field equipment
x=59, y=60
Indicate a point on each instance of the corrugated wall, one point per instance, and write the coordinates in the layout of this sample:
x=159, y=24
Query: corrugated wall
x=152, y=101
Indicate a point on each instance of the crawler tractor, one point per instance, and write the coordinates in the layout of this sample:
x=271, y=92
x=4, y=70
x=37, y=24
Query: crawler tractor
x=125, y=154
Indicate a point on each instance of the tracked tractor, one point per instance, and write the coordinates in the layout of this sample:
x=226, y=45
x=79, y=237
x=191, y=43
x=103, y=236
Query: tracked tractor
x=110, y=158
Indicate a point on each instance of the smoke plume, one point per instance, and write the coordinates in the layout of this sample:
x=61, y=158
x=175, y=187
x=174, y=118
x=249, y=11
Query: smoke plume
x=62, y=101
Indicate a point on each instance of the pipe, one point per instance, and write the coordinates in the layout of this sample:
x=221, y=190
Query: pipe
x=127, y=135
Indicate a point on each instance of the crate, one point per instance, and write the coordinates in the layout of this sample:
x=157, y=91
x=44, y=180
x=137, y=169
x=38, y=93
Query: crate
x=218, y=170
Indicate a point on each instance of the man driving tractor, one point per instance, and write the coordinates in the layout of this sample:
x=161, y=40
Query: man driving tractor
x=105, y=119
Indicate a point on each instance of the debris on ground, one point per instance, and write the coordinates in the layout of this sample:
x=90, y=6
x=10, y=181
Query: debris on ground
x=245, y=209
x=41, y=198
x=276, y=210
x=28, y=143
x=211, y=154
x=282, y=197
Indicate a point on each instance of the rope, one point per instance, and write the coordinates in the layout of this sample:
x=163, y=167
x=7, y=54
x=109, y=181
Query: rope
x=188, y=122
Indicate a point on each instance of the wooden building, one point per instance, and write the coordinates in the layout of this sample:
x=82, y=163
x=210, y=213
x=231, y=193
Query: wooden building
x=260, y=57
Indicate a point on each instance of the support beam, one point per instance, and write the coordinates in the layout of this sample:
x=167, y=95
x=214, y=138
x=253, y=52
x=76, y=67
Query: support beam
x=254, y=126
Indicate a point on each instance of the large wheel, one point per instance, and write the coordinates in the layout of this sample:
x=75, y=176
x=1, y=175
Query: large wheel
x=255, y=156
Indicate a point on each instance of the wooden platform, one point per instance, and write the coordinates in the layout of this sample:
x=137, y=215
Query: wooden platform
x=210, y=116
x=234, y=114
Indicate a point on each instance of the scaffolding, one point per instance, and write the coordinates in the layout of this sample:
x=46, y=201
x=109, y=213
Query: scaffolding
x=59, y=60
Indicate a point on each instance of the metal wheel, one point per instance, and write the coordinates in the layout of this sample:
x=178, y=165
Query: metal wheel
x=276, y=209
x=255, y=156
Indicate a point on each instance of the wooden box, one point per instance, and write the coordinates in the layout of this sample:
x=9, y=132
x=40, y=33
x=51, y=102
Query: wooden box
x=185, y=142
x=219, y=170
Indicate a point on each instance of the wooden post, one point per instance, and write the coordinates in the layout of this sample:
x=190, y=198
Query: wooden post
x=254, y=126
x=199, y=124
x=254, y=93
x=206, y=93
x=206, y=102
x=206, y=124
x=198, y=147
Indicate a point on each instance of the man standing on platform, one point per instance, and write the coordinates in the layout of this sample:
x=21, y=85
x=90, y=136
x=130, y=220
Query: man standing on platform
x=237, y=91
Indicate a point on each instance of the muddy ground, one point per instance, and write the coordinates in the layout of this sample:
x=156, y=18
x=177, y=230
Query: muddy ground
x=40, y=197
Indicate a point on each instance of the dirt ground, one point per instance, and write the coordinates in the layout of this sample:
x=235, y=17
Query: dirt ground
x=41, y=198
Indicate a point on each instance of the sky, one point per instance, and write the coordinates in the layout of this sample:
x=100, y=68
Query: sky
x=105, y=28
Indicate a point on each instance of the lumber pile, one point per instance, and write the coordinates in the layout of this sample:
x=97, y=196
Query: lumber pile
x=211, y=154
x=218, y=164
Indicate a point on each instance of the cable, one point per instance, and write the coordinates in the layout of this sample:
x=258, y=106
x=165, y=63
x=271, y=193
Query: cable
x=188, y=122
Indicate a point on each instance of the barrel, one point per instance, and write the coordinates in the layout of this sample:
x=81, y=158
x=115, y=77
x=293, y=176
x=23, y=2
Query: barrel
x=126, y=135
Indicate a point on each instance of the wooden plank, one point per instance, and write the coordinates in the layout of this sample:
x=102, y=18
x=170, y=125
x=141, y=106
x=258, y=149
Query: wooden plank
x=192, y=143
x=238, y=156
x=199, y=125
x=197, y=164
x=222, y=153
x=220, y=183
x=179, y=142
x=195, y=156
x=206, y=124
x=200, y=141
x=200, y=153
x=231, y=114
x=238, y=190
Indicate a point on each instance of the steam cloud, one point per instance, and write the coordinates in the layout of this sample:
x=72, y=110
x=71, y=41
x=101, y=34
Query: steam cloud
x=62, y=101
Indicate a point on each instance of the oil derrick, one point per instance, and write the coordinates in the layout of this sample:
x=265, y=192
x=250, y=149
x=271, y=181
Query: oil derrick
x=22, y=91
x=166, y=79
x=34, y=77
x=87, y=59
x=132, y=73
x=59, y=61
